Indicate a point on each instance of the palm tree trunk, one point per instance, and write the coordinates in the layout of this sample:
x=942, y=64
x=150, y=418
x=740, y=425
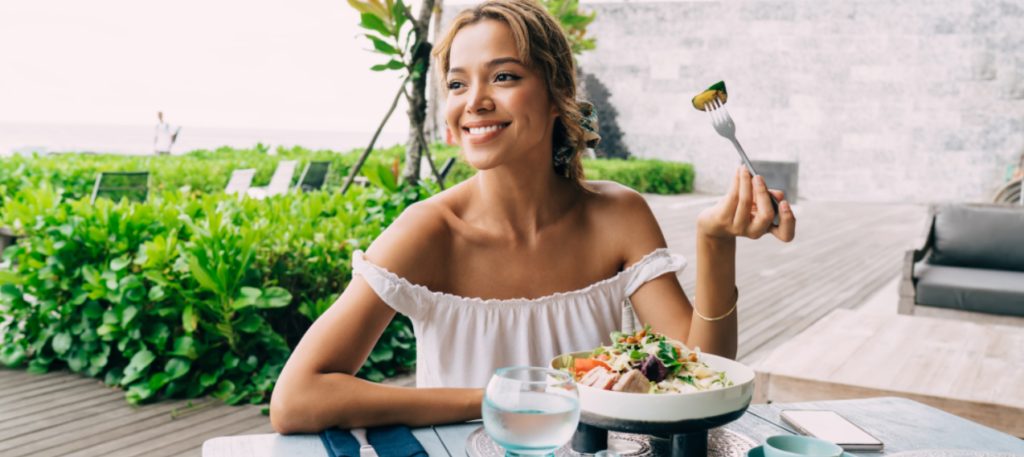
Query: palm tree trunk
x=417, y=98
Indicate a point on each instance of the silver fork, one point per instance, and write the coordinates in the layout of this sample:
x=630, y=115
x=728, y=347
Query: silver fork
x=724, y=125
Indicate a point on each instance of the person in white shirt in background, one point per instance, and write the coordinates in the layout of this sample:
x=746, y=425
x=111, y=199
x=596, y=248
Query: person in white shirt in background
x=163, y=139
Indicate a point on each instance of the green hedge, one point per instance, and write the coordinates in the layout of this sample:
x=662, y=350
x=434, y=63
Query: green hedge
x=649, y=176
x=201, y=171
x=205, y=171
x=185, y=296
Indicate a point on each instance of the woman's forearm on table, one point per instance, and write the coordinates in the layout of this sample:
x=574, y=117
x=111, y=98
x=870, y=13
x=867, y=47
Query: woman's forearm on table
x=344, y=401
x=715, y=296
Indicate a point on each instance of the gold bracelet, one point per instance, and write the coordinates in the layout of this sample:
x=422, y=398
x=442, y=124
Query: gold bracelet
x=712, y=319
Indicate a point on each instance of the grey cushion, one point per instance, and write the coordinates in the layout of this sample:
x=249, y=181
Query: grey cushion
x=970, y=289
x=979, y=237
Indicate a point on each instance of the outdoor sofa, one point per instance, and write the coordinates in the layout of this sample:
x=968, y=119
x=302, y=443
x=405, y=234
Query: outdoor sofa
x=971, y=258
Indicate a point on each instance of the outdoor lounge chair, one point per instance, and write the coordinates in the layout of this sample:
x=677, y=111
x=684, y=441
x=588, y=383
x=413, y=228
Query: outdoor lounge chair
x=114, y=185
x=278, y=183
x=313, y=176
x=446, y=167
x=971, y=259
x=240, y=181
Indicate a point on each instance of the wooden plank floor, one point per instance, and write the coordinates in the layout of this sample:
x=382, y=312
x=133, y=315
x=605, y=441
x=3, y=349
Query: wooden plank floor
x=843, y=253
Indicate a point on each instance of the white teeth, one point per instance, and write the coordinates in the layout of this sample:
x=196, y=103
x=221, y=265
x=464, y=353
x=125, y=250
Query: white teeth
x=482, y=130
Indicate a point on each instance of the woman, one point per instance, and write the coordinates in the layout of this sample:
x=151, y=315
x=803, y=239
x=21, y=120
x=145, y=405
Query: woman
x=548, y=257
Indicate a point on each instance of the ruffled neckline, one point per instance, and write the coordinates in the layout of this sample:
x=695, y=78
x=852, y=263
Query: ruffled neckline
x=444, y=297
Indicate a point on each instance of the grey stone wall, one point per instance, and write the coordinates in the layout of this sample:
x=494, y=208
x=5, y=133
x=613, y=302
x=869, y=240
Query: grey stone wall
x=888, y=101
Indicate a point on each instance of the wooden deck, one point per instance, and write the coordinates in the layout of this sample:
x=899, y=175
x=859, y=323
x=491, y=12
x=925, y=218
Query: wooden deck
x=843, y=253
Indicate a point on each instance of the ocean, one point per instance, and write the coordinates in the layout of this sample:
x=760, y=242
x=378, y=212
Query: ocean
x=25, y=138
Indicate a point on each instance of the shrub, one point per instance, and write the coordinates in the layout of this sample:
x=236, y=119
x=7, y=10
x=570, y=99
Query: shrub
x=204, y=171
x=185, y=296
x=644, y=175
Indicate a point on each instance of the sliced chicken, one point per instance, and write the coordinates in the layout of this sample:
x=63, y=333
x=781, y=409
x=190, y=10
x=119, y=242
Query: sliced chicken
x=606, y=381
x=634, y=381
x=592, y=375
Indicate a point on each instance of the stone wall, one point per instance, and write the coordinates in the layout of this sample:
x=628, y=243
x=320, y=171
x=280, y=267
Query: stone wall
x=888, y=101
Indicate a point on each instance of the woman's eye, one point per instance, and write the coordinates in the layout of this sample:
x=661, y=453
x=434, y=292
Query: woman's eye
x=454, y=85
x=504, y=77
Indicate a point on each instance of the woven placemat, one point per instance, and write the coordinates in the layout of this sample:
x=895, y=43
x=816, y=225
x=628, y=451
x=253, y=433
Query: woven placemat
x=721, y=443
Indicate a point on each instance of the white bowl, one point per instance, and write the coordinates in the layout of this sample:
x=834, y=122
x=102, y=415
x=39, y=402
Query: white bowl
x=603, y=408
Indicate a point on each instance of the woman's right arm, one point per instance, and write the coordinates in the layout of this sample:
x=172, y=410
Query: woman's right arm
x=318, y=389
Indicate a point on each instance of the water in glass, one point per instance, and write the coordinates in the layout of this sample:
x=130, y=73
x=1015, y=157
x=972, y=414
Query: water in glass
x=531, y=411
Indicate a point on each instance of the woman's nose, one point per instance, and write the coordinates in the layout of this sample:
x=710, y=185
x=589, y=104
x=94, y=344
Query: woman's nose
x=479, y=100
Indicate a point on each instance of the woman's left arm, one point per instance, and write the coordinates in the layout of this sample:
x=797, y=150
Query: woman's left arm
x=711, y=325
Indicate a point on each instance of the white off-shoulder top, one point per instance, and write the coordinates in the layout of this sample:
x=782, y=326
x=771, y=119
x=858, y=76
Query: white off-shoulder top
x=461, y=341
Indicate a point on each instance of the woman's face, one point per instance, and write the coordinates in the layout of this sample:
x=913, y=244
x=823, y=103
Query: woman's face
x=498, y=109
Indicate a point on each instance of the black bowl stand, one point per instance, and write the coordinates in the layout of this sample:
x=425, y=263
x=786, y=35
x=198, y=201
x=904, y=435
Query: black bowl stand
x=689, y=437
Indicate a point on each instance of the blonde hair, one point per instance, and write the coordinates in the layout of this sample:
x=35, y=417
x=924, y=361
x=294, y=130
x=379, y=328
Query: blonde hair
x=542, y=45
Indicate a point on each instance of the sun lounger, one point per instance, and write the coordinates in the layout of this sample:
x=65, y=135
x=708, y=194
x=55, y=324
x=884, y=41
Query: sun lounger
x=313, y=176
x=114, y=185
x=279, y=183
x=240, y=181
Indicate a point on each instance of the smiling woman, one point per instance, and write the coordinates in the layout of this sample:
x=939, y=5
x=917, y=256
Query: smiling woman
x=521, y=262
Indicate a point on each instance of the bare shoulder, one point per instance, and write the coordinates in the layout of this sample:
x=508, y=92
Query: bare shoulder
x=414, y=245
x=625, y=219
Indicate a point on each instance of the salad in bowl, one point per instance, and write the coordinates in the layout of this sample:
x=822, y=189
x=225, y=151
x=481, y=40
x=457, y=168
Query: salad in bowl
x=686, y=390
x=645, y=362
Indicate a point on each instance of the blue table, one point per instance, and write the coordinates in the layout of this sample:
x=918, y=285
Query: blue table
x=903, y=425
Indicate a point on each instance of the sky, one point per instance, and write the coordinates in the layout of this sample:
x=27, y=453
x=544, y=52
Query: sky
x=287, y=65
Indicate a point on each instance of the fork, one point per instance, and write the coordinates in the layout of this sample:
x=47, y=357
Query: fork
x=724, y=125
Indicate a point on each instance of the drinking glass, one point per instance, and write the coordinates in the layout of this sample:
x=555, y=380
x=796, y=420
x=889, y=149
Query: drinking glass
x=531, y=411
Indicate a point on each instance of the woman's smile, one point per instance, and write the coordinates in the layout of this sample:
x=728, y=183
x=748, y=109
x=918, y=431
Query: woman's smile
x=483, y=131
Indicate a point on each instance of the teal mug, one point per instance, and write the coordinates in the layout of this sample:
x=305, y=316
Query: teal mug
x=799, y=446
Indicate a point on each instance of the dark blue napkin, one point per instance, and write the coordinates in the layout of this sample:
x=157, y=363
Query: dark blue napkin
x=394, y=441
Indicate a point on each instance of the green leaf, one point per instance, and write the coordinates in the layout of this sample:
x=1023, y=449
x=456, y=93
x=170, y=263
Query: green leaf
x=250, y=323
x=99, y=360
x=177, y=367
x=97, y=235
x=224, y=389
x=158, y=380
x=93, y=310
x=274, y=297
x=12, y=355
x=119, y=263
x=208, y=379
x=80, y=297
x=142, y=359
x=128, y=314
x=203, y=276
x=230, y=360
x=138, y=392
x=37, y=366
x=381, y=354
x=248, y=296
x=79, y=360
x=61, y=342
x=156, y=293
x=234, y=399
x=381, y=67
x=248, y=364
x=380, y=176
x=7, y=277
x=113, y=376
x=188, y=319
x=398, y=12
x=184, y=346
x=370, y=21
x=382, y=46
